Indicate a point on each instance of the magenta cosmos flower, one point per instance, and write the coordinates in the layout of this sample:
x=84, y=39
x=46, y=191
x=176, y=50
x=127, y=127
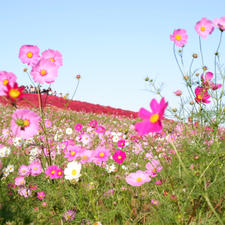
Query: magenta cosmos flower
x=220, y=23
x=121, y=143
x=138, y=178
x=40, y=195
x=29, y=54
x=119, y=156
x=179, y=37
x=204, y=27
x=53, y=56
x=151, y=120
x=6, y=78
x=78, y=127
x=54, y=172
x=202, y=95
x=44, y=72
x=25, y=123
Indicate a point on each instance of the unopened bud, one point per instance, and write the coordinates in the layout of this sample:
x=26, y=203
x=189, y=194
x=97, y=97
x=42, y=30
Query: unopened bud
x=174, y=110
x=197, y=74
x=195, y=56
x=25, y=70
x=186, y=77
x=146, y=79
x=78, y=76
x=204, y=68
x=191, y=103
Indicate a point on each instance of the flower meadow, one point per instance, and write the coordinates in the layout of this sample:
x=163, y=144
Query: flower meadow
x=59, y=166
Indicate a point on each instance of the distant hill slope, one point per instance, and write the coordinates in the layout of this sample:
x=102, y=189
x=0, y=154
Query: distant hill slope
x=49, y=100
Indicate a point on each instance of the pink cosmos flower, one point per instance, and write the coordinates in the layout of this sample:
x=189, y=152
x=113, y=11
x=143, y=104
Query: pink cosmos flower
x=51, y=171
x=153, y=168
x=207, y=83
x=24, y=170
x=151, y=120
x=85, y=156
x=54, y=56
x=25, y=192
x=78, y=127
x=119, y=156
x=19, y=181
x=35, y=168
x=204, y=27
x=121, y=143
x=202, y=95
x=48, y=123
x=25, y=123
x=69, y=215
x=29, y=54
x=154, y=202
x=44, y=72
x=40, y=195
x=93, y=123
x=71, y=152
x=138, y=178
x=179, y=37
x=5, y=79
x=100, y=155
x=178, y=93
x=220, y=23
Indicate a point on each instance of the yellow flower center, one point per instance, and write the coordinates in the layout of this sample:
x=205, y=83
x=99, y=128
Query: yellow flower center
x=178, y=37
x=202, y=28
x=43, y=72
x=53, y=60
x=35, y=168
x=74, y=172
x=53, y=171
x=26, y=123
x=14, y=93
x=59, y=173
x=138, y=179
x=5, y=82
x=154, y=170
x=102, y=154
x=200, y=97
x=84, y=157
x=154, y=118
x=29, y=54
x=119, y=157
x=72, y=153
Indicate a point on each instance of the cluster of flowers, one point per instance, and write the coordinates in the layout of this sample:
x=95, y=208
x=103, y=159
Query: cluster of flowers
x=204, y=27
x=44, y=70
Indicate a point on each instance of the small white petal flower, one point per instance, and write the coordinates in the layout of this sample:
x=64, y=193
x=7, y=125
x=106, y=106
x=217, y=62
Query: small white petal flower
x=72, y=171
x=69, y=131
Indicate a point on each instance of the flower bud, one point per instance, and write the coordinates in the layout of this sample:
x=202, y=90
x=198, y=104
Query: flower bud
x=78, y=76
x=174, y=110
x=195, y=56
x=186, y=77
x=25, y=70
x=146, y=79
x=197, y=74
x=204, y=68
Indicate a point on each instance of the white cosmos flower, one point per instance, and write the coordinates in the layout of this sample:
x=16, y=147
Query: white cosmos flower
x=72, y=171
x=69, y=131
x=110, y=168
x=18, y=141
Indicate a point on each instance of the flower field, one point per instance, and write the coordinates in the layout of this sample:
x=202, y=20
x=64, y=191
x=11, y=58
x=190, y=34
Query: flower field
x=69, y=162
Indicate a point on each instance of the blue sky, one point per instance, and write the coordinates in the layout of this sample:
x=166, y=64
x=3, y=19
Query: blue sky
x=113, y=45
